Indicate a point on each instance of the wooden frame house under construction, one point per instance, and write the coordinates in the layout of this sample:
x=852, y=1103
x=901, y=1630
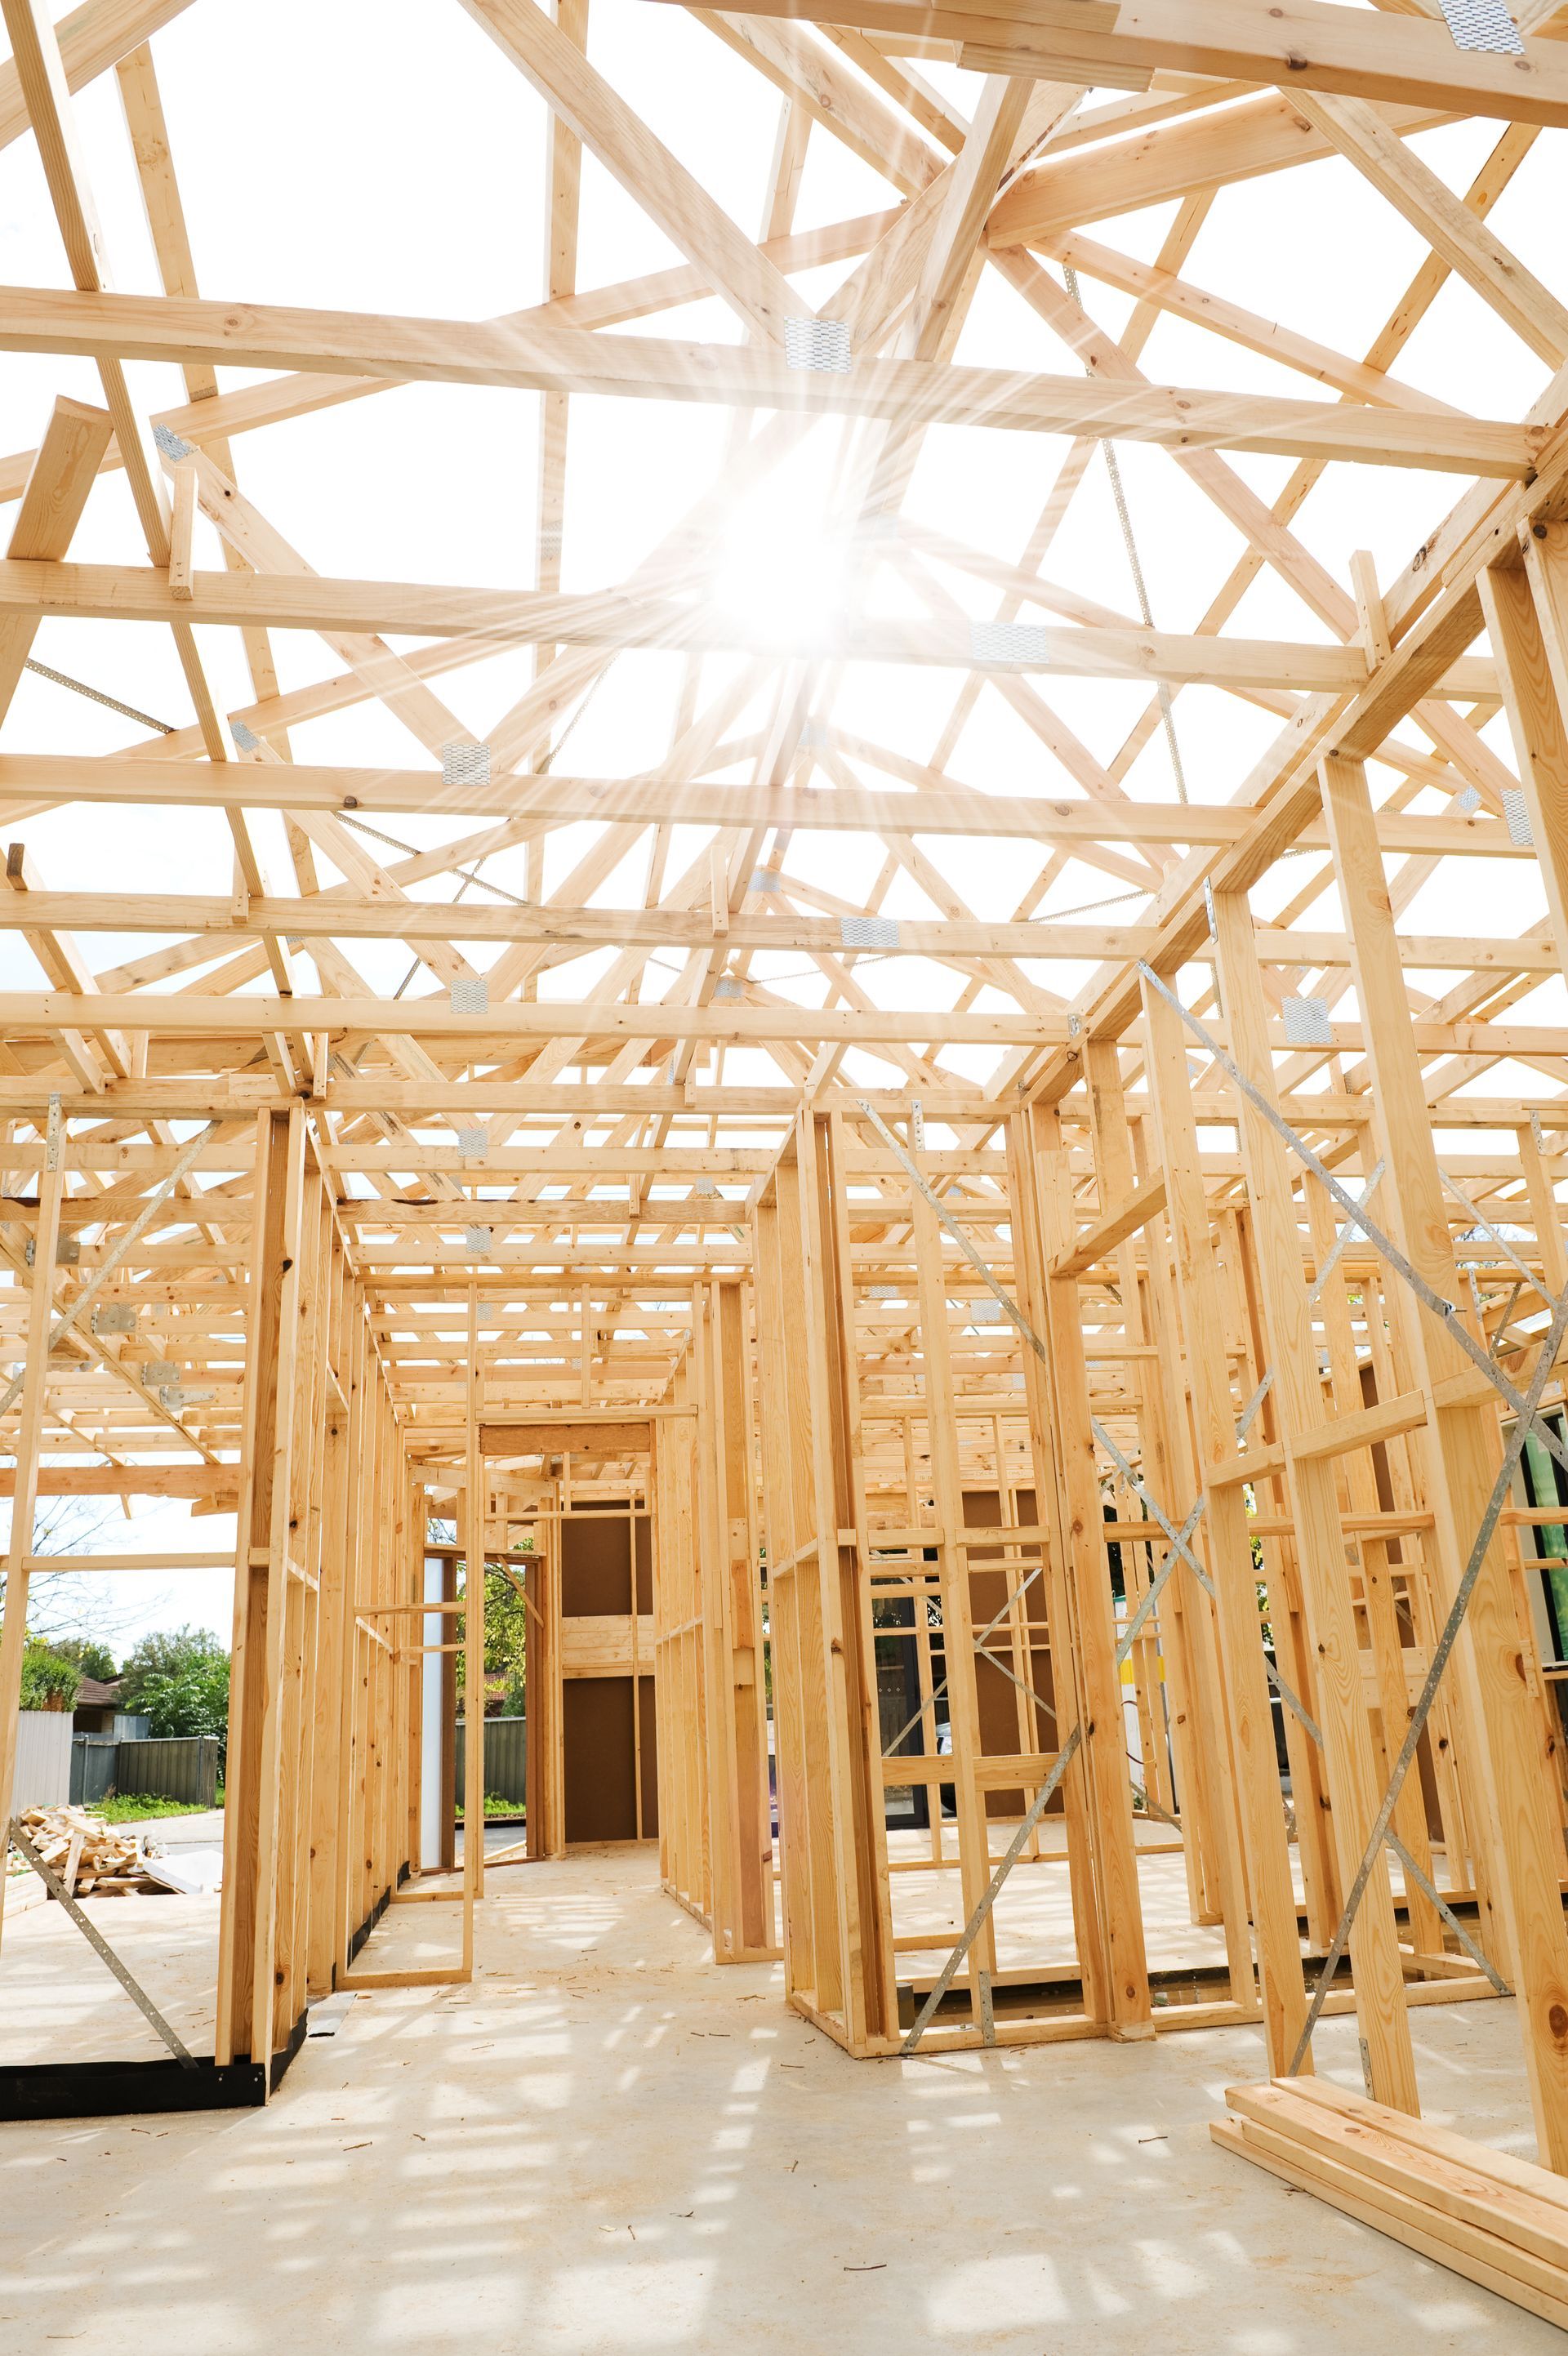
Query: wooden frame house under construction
x=961, y=1185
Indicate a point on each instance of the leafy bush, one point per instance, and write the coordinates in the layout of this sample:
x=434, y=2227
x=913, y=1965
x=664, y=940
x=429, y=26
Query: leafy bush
x=48, y=1680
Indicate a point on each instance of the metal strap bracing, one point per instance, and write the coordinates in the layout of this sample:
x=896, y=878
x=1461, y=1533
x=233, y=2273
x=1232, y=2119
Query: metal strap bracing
x=1181, y=1550
x=1496, y=1236
x=1525, y=1421
x=938, y=1690
x=1430, y=1891
x=973, y=1928
x=96, y=695
x=1444, y=1647
x=1446, y=1311
x=1125, y=1644
x=100, y=1945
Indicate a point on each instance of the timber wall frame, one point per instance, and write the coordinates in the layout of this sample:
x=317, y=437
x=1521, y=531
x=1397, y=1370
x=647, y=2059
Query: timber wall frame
x=765, y=1219
x=715, y=1832
x=319, y=1823
x=1164, y=1302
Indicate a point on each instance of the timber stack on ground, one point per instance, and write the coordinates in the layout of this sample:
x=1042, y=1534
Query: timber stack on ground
x=88, y=1858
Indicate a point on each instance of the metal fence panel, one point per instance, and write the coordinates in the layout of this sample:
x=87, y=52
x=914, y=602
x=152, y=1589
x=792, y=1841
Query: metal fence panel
x=91, y=1769
x=43, y=1758
x=175, y=1767
x=506, y=1758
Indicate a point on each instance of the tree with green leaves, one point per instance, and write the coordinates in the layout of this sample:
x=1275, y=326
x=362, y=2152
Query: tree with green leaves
x=190, y=1701
x=506, y=1627
x=505, y=1639
x=93, y=1658
x=178, y=1678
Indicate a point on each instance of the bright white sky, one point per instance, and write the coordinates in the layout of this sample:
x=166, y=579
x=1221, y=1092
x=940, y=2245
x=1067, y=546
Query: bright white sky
x=382, y=155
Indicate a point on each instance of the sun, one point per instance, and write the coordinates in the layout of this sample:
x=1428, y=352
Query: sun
x=783, y=569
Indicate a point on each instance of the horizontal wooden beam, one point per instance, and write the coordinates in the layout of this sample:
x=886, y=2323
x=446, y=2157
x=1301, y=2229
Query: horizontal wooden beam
x=71, y=1565
x=1302, y=44
x=216, y=1483
x=434, y=1096
x=279, y=400
x=499, y=617
x=553, y=1436
x=188, y=1016
x=47, y=780
x=345, y=915
x=241, y=1017
x=1461, y=952
x=914, y=393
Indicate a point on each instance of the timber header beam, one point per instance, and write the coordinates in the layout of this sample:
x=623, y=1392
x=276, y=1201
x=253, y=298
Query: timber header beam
x=513, y=1019
x=916, y=394
x=46, y=780
x=250, y=601
x=602, y=1435
x=1402, y=60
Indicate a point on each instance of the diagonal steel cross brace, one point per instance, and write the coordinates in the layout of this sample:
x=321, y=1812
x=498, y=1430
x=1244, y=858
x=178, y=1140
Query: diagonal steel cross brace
x=1439, y=1662
x=1014, y=1850
x=1446, y=1311
x=1124, y=1646
x=1501, y=1241
x=982, y=1652
x=101, y=1947
x=1179, y=1538
x=1180, y=1551
x=1432, y=1892
x=940, y=1689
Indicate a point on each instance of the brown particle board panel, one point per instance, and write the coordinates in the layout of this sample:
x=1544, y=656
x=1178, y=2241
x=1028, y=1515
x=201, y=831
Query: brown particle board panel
x=595, y=1574
x=992, y=1581
x=602, y=1734
x=600, y=1759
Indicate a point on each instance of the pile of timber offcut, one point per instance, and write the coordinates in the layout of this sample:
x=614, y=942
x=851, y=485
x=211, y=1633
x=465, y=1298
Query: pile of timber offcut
x=92, y=1858
x=1501, y=2222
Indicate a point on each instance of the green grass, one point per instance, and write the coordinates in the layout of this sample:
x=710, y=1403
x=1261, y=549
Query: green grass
x=130, y=1807
x=495, y=1806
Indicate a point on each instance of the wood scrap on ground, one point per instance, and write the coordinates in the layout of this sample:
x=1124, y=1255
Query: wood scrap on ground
x=93, y=1858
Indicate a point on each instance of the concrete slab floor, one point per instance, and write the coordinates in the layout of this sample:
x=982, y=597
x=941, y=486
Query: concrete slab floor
x=608, y=2143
